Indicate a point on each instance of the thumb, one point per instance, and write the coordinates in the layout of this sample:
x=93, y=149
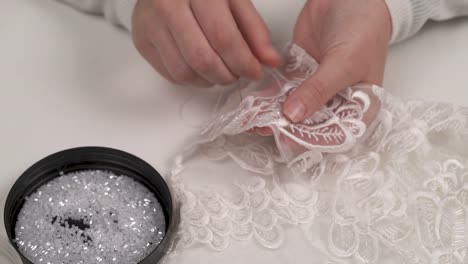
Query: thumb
x=333, y=75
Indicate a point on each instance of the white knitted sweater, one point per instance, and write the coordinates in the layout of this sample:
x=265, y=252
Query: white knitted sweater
x=408, y=15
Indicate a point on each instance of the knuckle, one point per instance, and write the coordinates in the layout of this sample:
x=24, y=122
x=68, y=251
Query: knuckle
x=201, y=61
x=182, y=74
x=222, y=44
x=221, y=38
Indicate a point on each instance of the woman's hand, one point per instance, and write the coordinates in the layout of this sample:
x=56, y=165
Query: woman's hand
x=202, y=43
x=349, y=39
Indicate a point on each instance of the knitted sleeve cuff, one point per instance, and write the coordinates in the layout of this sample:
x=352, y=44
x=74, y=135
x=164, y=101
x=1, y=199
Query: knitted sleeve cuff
x=402, y=19
x=409, y=16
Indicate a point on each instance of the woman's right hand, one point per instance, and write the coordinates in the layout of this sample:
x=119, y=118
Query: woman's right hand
x=201, y=42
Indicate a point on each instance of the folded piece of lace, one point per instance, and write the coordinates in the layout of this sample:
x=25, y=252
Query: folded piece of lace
x=367, y=176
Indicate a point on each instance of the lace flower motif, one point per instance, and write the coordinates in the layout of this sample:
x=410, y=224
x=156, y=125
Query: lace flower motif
x=397, y=186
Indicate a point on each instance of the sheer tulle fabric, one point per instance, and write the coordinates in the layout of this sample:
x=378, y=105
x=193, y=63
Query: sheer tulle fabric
x=367, y=176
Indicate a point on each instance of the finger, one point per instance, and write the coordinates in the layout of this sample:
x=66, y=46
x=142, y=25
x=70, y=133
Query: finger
x=196, y=49
x=255, y=32
x=368, y=118
x=175, y=62
x=219, y=27
x=332, y=76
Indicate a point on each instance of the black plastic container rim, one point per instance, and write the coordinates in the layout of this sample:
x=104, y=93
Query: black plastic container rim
x=89, y=158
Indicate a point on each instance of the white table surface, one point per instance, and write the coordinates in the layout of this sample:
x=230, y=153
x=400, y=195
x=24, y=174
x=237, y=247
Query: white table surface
x=68, y=80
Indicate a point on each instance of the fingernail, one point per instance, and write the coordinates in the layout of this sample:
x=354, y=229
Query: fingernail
x=295, y=110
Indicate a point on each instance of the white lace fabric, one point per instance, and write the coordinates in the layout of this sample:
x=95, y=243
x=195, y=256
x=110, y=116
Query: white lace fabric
x=369, y=175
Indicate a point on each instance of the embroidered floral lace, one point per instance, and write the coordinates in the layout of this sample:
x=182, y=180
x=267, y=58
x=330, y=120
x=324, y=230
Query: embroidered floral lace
x=367, y=176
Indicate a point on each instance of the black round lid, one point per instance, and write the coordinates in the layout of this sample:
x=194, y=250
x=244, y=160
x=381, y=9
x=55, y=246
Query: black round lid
x=90, y=158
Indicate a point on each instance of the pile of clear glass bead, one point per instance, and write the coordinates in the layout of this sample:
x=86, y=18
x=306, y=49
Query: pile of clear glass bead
x=90, y=217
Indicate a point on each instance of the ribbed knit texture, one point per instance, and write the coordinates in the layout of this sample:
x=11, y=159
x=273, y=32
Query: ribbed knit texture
x=409, y=16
